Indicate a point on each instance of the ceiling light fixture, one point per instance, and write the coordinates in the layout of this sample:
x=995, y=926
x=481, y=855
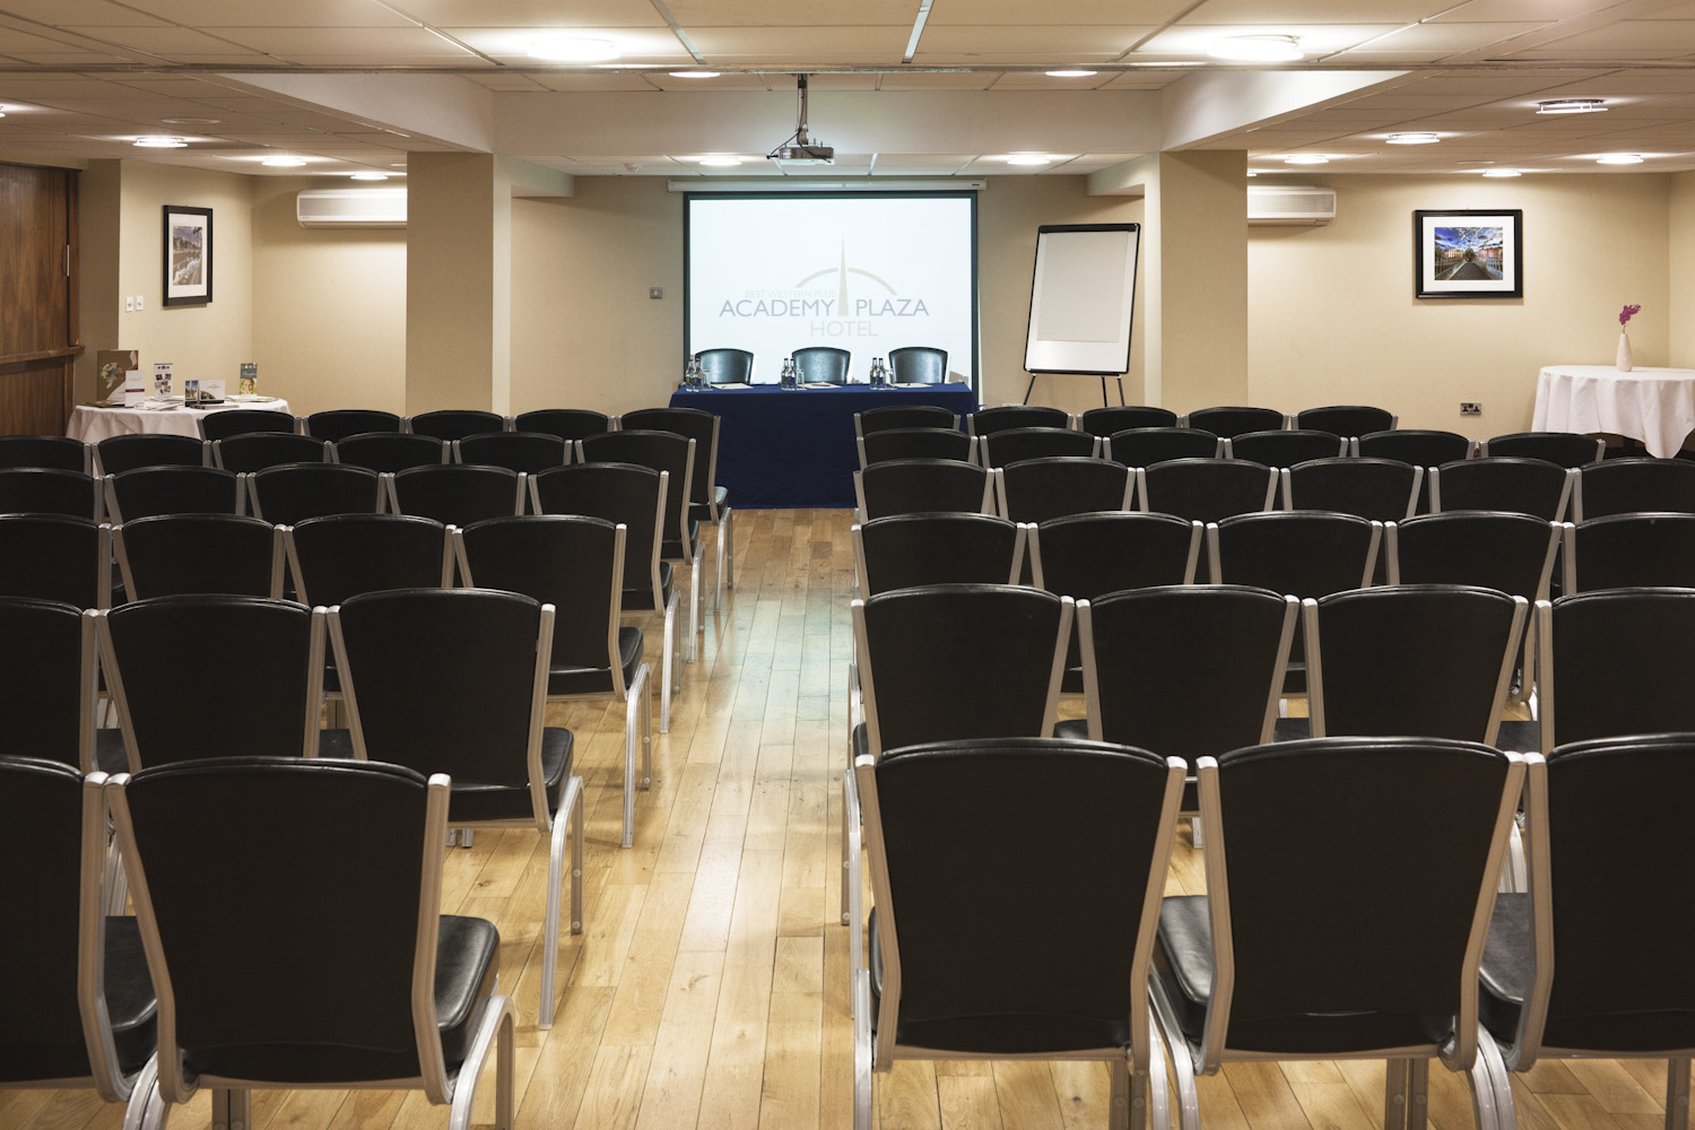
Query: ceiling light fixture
x=155, y=141
x=191, y=121
x=695, y=74
x=718, y=161
x=1572, y=106
x=1031, y=159
x=368, y=176
x=283, y=162
x=1257, y=49
x=1501, y=173
x=1071, y=72
x=1307, y=159
x=1619, y=159
x=1412, y=139
x=564, y=48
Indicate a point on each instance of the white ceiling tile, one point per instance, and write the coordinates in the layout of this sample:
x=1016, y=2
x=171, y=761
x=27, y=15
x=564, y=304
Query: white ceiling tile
x=1033, y=41
x=1192, y=40
x=1546, y=10
x=374, y=43
x=532, y=13
x=608, y=80
x=885, y=43
x=653, y=44
x=77, y=13
x=826, y=82
x=1303, y=12
x=692, y=14
x=933, y=80
x=172, y=42
x=286, y=13
x=1102, y=13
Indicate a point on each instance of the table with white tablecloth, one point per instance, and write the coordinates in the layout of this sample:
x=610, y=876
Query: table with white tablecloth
x=1656, y=406
x=91, y=423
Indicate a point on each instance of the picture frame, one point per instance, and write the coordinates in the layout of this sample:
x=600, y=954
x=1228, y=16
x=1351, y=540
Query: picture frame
x=188, y=255
x=1468, y=253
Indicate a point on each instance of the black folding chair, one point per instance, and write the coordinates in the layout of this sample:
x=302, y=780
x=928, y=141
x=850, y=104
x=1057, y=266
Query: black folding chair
x=1382, y=490
x=1421, y=447
x=918, y=486
x=294, y=492
x=1111, y=420
x=1282, y=449
x=906, y=550
x=1347, y=419
x=47, y=686
x=338, y=424
x=709, y=502
x=59, y=452
x=1629, y=551
x=255, y=451
x=892, y=416
x=569, y=424
x=1205, y=490
x=988, y=421
x=1232, y=421
x=223, y=424
x=1035, y=490
x=455, y=423
x=117, y=454
x=527, y=452
x=457, y=494
x=1015, y=445
x=1568, y=449
x=171, y=554
x=339, y=556
x=389, y=452
x=1520, y=486
x=916, y=443
x=147, y=491
x=1634, y=486
x=46, y=490
x=1143, y=447
x=56, y=557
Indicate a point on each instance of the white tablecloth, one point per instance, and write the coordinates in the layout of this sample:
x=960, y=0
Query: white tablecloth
x=1656, y=406
x=91, y=425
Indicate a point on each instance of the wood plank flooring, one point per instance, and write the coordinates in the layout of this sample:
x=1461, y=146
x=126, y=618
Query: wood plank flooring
x=709, y=986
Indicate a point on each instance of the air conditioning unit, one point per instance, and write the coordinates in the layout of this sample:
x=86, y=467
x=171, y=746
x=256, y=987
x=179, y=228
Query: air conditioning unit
x=1290, y=204
x=351, y=208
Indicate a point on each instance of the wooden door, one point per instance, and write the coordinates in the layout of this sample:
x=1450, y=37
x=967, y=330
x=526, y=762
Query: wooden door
x=38, y=329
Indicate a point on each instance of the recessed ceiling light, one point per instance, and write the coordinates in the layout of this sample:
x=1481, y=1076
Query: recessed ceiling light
x=1619, y=159
x=283, y=162
x=1257, y=49
x=1252, y=173
x=694, y=74
x=1572, y=106
x=1028, y=159
x=1070, y=72
x=571, y=49
x=191, y=121
x=1307, y=159
x=1413, y=138
x=154, y=141
x=719, y=161
x=1502, y=173
x=368, y=176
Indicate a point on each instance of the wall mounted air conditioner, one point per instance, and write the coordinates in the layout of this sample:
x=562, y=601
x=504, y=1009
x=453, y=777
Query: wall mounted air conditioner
x=351, y=208
x=1290, y=204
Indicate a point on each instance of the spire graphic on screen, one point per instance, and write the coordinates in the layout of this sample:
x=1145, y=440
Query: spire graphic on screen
x=841, y=271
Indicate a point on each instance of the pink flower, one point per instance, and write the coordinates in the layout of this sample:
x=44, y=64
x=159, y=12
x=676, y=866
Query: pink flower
x=1628, y=313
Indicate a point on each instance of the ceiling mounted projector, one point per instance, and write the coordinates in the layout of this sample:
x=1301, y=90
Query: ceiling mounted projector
x=799, y=148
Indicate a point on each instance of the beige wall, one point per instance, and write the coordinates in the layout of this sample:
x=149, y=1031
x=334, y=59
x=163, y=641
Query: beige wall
x=329, y=329
x=1332, y=317
x=1682, y=252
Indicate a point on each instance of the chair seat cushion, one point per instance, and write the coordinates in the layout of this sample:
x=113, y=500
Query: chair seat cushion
x=1076, y=729
x=474, y=802
x=598, y=680
x=1520, y=737
x=110, y=755
x=1507, y=970
x=995, y=1034
x=641, y=599
x=467, y=964
x=335, y=743
x=1291, y=729
x=672, y=550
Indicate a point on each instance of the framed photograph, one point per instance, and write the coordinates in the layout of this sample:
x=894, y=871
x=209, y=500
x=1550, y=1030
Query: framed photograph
x=188, y=256
x=1468, y=254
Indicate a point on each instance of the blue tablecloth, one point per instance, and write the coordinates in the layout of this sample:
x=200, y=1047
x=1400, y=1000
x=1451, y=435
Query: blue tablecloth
x=793, y=448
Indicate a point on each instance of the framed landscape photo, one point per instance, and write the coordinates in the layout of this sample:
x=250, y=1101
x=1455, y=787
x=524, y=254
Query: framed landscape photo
x=188, y=256
x=1468, y=253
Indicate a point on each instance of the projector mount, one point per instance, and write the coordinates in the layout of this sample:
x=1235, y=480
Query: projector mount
x=799, y=148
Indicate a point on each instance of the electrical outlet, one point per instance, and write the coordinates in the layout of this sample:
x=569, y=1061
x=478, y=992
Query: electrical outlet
x=139, y=301
x=129, y=303
x=1471, y=408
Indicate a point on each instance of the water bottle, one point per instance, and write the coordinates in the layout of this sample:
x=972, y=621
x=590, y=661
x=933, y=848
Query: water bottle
x=788, y=378
x=696, y=376
x=688, y=374
x=879, y=375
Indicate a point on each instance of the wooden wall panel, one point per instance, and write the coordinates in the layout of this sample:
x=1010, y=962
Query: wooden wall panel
x=32, y=398
x=38, y=334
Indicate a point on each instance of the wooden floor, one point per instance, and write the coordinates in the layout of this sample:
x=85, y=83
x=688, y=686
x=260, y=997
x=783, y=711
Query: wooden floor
x=709, y=986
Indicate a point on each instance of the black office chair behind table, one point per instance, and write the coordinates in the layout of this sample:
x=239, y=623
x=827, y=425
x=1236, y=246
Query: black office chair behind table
x=918, y=365
x=724, y=367
x=822, y=364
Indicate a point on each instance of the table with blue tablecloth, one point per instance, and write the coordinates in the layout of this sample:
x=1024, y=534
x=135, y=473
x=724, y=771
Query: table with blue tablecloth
x=794, y=448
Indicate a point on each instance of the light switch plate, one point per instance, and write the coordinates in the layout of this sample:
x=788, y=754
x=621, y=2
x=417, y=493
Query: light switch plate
x=140, y=301
x=129, y=303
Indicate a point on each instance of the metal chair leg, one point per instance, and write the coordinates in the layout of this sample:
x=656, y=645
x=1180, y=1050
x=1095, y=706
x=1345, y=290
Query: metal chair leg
x=570, y=810
x=862, y=1090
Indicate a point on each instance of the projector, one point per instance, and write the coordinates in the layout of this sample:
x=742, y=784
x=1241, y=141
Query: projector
x=804, y=154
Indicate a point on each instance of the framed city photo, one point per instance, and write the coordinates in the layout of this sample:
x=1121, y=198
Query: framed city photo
x=1468, y=254
x=188, y=256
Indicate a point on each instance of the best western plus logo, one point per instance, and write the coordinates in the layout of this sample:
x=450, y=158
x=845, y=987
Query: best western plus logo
x=836, y=312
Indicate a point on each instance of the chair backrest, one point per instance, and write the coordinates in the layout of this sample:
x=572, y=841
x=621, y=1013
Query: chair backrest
x=1034, y=490
x=1347, y=419
x=1568, y=449
x=1014, y=445
x=234, y=826
x=1117, y=418
x=1185, y=670
x=169, y=554
x=667, y=452
x=943, y=863
x=916, y=443
x=1143, y=447
x=1630, y=551
x=528, y=452
x=891, y=417
x=1206, y=490
x=391, y=451
x=919, y=364
x=47, y=690
x=1510, y=552
x=1411, y=659
x=960, y=661
x=1522, y=486
x=52, y=896
x=1615, y=662
x=823, y=363
x=722, y=366
x=47, y=490
x=1230, y=421
x=1286, y=448
x=255, y=451
x=690, y=423
x=245, y=421
x=1421, y=447
x=987, y=421
x=1300, y=553
x=1084, y=556
x=338, y=424
x=457, y=494
x=569, y=424
x=202, y=675
x=60, y=452
x=624, y=494
x=1383, y=490
x=1376, y=948
x=341, y=555
x=293, y=492
x=447, y=681
x=455, y=423
x=56, y=557
x=905, y=550
x=1634, y=486
x=572, y=562
x=147, y=491
x=915, y=486
x=118, y=454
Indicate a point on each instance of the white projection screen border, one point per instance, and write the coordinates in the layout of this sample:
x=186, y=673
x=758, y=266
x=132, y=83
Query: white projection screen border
x=1082, y=293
